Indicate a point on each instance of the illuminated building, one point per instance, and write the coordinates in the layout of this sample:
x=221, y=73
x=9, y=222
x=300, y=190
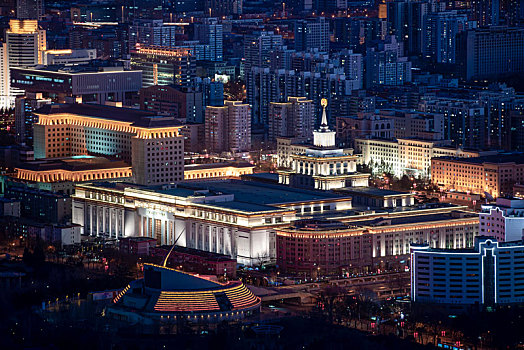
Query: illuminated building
x=406, y=156
x=68, y=57
x=503, y=220
x=167, y=296
x=232, y=217
x=151, y=144
x=294, y=118
x=25, y=43
x=322, y=165
x=164, y=65
x=5, y=100
x=487, y=275
x=213, y=170
x=25, y=46
x=81, y=83
x=60, y=175
x=492, y=175
x=354, y=243
x=228, y=128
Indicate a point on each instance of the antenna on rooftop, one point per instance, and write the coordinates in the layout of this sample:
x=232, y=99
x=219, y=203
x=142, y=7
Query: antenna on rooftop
x=173, y=247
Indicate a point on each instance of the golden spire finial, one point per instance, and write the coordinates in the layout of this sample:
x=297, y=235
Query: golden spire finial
x=324, y=103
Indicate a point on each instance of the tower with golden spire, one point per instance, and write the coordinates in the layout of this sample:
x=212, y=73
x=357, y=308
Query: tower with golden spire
x=324, y=137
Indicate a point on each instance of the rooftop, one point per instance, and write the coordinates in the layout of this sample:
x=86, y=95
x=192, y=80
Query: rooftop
x=76, y=163
x=513, y=157
x=218, y=165
x=372, y=191
x=136, y=116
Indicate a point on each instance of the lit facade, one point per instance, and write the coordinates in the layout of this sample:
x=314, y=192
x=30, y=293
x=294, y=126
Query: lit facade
x=490, y=273
x=231, y=217
x=490, y=175
x=503, y=220
x=322, y=165
x=151, y=144
x=356, y=243
x=25, y=45
x=164, y=65
x=80, y=83
x=68, y=56
x=405, y=156
x=205, y=171
x=73, y=170
x=170, y=297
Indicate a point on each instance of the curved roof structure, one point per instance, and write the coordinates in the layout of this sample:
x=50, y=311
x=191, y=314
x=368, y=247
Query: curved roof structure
x=166, y=292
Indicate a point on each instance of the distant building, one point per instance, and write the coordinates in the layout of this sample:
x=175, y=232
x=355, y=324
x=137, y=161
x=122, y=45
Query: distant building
x=492, y=176
x=414, y=124
x=210, y=33
x=503, y=220
x=312, y=34
x=24, y=117
x=214, y=170
x=464, y=121
x=29, y=9
x=172, y=100
x=136, y=245
x=164, y=65
x=491, y=53
x=484, y=276
x=9, y=207
x=363, y=125
x=85, y=84
x=68, y=57
x=25, y=45
x=43, y=206
x=386, y=65
x=440, y=32
x=294, y=118
x=406, y=156
x=228, y=128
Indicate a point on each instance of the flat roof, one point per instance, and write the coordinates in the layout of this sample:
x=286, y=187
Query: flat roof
x=373, y=191
x=261, y=193
x=411, y=219
x=249, y=196
x=513, y=157
x=73, y=164
x=135, y=116
x=218, y=165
